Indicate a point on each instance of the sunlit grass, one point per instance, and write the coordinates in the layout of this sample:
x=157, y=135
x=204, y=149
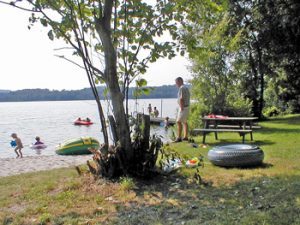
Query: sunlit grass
x=269, y=194
x=279, y=138
x=126, y=184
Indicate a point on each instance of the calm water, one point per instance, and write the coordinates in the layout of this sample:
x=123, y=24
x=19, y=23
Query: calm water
x=53, y=122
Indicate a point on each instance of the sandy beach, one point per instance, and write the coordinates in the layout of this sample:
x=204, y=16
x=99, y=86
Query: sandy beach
x=11, y=166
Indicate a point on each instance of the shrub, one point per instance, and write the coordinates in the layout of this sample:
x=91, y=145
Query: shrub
x=271, y=111
x=126, y=183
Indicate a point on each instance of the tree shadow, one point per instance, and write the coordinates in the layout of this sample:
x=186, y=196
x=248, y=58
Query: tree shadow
x=176, y=200
x=279, y=130
x=293, y=120
x=65, y=218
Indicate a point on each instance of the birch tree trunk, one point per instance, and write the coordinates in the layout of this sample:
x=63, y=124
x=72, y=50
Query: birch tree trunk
x=103, y=27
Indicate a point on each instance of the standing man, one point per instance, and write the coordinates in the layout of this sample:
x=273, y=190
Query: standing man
x=183, y=112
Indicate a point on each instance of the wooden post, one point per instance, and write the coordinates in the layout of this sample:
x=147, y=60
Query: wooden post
x=146, y=131
x=204, y=135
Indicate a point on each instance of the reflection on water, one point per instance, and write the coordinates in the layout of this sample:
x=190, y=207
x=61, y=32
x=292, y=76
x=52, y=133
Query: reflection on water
x=53, y=122
x=38, y=151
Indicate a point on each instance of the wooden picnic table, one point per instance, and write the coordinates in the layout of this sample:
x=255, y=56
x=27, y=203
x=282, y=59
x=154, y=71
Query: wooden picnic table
x=241, y=125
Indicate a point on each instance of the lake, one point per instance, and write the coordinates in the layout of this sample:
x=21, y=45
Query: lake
x=53, y=122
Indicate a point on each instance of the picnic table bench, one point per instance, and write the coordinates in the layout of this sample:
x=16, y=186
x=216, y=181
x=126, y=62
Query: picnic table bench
x=212, y=124
x=234, y=126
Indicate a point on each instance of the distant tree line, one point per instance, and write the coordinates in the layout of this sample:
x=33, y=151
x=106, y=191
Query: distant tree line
x=165, y=91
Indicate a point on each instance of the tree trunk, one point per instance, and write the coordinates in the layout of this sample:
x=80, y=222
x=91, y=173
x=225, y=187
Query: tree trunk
x=120, y=117
x=113, y=128
x=262, y=81
x=254, y=84
x=111, y=80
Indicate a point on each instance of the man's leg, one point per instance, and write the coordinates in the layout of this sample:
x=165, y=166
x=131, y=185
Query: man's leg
x=185, y=130
x=179, y=129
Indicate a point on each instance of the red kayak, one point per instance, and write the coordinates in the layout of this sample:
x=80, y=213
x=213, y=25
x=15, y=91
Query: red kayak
x=83, y=122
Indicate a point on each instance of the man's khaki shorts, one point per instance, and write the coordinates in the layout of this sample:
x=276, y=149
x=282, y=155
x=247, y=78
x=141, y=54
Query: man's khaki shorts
x=183, y=115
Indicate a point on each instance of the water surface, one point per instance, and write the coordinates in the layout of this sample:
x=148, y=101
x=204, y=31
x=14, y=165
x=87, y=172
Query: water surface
x=53, y=122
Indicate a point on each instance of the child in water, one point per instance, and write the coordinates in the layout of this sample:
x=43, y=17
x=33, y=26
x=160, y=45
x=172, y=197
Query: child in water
x=38, y=141
x=18, y=149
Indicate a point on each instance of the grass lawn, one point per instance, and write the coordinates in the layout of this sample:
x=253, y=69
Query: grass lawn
x=269, y=194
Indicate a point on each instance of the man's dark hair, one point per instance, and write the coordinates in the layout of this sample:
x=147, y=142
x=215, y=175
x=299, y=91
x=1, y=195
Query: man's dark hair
x=179, y=79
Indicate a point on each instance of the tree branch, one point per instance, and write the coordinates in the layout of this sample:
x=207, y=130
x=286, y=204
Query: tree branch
x=69, y=60
x=13, y=4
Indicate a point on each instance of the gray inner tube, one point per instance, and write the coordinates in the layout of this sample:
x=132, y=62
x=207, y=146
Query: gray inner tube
x=238, y=155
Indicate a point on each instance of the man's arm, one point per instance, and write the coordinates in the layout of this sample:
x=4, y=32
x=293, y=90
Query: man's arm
x=181, y=103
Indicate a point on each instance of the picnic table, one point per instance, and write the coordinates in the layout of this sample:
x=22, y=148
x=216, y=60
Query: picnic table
x=216, y=124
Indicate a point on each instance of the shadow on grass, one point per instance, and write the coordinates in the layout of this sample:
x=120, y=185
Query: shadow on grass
x=173, y=200
x=292, y=120
x=226, y=142
x=67, y=218
x=279, y=130
x=261, y=166
x=263, y=143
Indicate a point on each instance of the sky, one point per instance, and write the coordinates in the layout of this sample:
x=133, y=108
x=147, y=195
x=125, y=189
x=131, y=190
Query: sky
x=27, y=59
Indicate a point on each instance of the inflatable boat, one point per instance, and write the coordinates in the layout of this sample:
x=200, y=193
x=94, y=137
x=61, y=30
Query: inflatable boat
x=83, y=122
x=77, y=146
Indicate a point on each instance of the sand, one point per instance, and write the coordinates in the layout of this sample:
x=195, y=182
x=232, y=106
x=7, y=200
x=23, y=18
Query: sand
x=11, y=166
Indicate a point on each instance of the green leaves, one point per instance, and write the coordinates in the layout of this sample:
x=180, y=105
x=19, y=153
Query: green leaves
x=44, y=22
x=142, y=31
x=141, y=83
x=141, y=88
x=50, y=35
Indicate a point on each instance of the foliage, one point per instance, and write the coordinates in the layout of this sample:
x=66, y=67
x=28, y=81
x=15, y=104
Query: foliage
x=242, y=46
x=280, y=35
x=216, y=84
x=126, y=184
x=141, y=88
x=238, y=106
x=45, y=218
x=197, y=111
x=271, y=111
x=271, y=32
x=274, y=91
x=142, y=164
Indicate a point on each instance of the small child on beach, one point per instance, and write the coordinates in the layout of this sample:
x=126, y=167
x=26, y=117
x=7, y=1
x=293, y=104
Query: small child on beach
x=166, y=122
x=155, y=112
x=18, y=149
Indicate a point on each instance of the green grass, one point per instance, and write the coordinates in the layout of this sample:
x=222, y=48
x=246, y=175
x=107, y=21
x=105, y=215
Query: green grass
x=269, y=194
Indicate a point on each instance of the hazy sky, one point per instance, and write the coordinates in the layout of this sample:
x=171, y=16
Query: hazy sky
x=27, y=59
